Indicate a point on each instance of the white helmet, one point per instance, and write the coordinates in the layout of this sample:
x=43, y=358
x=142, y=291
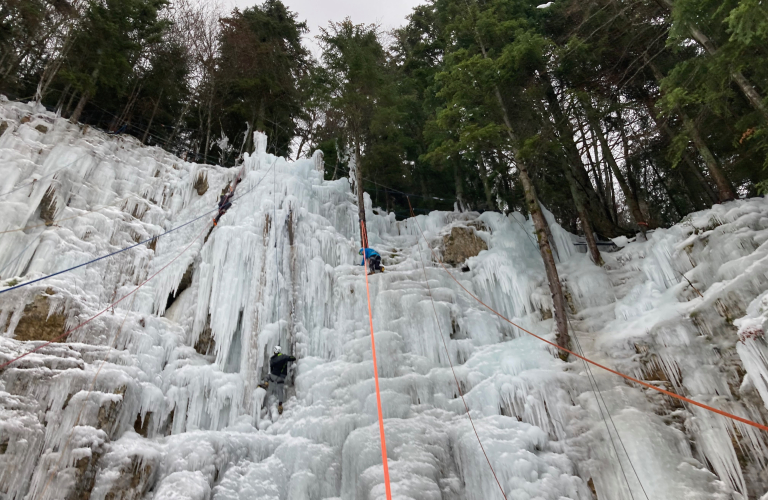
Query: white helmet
x=277, y=349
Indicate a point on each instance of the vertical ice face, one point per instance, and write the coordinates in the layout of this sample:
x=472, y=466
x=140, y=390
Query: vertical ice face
x=176, y=410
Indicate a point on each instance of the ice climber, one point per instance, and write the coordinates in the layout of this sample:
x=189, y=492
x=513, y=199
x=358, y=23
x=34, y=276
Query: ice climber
x=278, y=370
x=224, y=204
x=374, y=260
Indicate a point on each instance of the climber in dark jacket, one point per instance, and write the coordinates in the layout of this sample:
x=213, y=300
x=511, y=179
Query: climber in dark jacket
x=374, y=259
x=224, y=204
x=278, y=370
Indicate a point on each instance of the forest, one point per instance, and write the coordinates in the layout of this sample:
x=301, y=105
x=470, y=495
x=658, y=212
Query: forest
x=618, y=116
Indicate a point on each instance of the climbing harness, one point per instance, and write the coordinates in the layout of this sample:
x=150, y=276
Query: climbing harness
x=388, y=489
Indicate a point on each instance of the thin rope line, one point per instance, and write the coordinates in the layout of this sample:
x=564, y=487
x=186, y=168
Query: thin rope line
x=27, y=283
x=85, y=400
x=447, y=353
x=384, y=459
x=627, y=377
x=277, y=264
x=596, y=390
x=111, y=306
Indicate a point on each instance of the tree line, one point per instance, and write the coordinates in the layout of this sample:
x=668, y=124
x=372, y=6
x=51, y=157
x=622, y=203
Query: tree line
x=618, y=116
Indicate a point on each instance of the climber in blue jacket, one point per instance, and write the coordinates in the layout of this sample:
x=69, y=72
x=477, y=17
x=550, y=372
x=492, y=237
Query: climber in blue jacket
x=374, y=260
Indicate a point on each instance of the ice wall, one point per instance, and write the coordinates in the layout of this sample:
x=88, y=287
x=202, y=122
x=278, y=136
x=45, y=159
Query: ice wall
x=159, y=397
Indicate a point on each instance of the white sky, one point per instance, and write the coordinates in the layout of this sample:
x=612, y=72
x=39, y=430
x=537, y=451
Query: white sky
x=388, y=13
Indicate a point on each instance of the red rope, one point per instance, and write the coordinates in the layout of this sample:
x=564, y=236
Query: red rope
x=376, y=370
x=627, y=377
x=455, y=378
x=105, y=309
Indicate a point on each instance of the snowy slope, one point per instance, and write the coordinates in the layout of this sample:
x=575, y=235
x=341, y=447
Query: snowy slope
x=175, y=411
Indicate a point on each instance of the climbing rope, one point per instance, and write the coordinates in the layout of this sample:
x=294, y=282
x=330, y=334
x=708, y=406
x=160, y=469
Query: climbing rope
x=277, y=265
x=455, y=378
x=27, y=283
x=594, y=363
x=63, y=450
x=382, y=437
x=111, y=306
x=597, y=392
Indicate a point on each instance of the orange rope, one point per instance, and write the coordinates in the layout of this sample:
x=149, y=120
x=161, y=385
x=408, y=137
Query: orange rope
x=376, y=370
x=627, y=377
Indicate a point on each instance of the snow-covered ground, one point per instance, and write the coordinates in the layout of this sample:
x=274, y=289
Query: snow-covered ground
x=159, y=398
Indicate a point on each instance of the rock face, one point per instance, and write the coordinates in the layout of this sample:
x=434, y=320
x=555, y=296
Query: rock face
x=37, y=323
x=201, y=184
x=460, y=244
x=48, y=206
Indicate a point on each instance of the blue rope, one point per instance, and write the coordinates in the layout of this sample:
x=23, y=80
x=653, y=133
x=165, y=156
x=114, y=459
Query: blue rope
x=27, y=283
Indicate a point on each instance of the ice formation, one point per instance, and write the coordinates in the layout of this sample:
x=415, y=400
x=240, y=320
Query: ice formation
x=159, y=398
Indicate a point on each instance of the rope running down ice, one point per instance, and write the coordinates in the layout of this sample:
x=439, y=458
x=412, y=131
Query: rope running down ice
x=455, y=378
x=27, y=283
x=384, y=461
x=124, y=297
x=598, y=397
x=627, y=377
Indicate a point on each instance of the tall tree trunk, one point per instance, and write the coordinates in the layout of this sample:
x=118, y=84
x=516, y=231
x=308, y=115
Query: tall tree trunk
x=208, y=131
x=84, y=98
x=490, y=205
x=459, y=184
x=152, y=118
x=571, y=158
x=178, y=123
x=724, y=190
x=60, y=104
x=542, y=233
x=261, y=117
x=635, y=184
x=666, y=130
x=586, y=225
x=539, y=223
x=79, y=108
x=68, y=107
x=360, y=197
x=589, y=199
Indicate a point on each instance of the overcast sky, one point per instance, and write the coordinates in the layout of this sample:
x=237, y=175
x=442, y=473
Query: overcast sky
x=388, y=13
